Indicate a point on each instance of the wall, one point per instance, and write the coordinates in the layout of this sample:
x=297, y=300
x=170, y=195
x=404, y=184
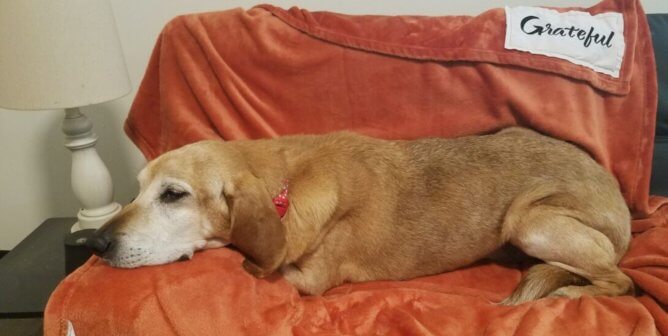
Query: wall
x=34, y=174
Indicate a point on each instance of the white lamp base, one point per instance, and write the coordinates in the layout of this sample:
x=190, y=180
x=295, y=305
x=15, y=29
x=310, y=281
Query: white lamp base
x=91, y=181
x=99, y=216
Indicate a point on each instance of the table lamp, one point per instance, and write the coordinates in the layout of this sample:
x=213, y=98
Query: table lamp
x=64, y=54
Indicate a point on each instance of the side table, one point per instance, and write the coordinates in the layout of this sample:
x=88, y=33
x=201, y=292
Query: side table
x=33, y=269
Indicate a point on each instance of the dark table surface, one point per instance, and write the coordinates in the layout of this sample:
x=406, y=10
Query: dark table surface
x=33, y=269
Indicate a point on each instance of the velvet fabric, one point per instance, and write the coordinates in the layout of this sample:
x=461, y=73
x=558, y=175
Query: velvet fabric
x=267, y=72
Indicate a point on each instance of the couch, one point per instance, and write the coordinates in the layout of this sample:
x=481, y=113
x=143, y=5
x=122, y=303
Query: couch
x=267, y=71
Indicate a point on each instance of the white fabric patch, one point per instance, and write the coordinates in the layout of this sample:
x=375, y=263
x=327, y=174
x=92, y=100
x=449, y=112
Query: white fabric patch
x=70, y=329
x=594, y=41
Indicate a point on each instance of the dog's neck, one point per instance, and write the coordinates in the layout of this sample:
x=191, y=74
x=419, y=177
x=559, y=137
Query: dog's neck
x=277, y=164
x=270, y=165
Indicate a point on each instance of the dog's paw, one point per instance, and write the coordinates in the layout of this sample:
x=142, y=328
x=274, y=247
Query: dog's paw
x=210, y=244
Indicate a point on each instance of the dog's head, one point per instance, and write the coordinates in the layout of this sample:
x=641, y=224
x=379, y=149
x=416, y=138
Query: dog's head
x=200, y=196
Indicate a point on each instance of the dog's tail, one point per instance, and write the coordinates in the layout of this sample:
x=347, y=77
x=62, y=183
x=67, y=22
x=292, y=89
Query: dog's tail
x=541, y=280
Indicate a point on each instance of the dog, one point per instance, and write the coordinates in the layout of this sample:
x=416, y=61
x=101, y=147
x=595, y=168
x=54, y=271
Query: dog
x=343, y=207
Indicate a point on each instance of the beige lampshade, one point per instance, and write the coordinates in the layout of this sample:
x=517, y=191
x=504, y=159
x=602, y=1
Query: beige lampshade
x=59, y=54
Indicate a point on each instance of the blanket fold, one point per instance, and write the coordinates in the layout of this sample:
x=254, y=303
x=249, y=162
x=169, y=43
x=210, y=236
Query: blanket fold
x=267, y=72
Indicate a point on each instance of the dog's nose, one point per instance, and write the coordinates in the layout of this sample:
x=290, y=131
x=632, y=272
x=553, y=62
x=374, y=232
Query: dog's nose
x=99, y=242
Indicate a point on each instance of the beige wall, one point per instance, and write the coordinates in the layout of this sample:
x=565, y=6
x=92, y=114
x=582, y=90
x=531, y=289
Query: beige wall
x=34, y=174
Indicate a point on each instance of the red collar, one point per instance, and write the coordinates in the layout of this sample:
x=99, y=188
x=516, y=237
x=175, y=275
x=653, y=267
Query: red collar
x=281, y=201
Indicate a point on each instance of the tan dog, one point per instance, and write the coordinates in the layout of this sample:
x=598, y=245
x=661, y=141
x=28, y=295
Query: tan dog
x=367, y=209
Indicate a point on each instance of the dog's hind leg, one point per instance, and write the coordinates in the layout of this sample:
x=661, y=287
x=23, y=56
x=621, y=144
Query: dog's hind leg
x=562, y=241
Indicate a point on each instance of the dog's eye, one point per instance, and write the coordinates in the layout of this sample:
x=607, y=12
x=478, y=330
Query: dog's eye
x=171, y=195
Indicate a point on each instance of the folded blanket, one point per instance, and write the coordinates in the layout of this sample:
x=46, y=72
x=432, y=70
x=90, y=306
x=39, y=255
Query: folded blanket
x=267, y=71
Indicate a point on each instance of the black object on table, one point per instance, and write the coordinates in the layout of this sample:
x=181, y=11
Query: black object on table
x=31, y=271
x=76, y=252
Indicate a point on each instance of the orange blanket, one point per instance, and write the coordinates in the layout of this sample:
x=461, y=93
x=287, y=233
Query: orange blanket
x=267, y=71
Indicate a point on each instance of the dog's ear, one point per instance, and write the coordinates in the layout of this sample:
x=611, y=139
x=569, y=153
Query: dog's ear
x=256, y=228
